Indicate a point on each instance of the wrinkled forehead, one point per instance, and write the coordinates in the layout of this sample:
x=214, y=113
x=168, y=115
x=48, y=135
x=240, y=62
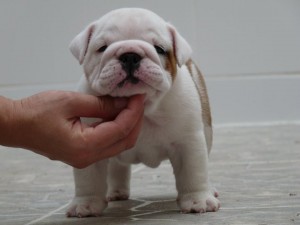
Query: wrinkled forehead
x=132, y=24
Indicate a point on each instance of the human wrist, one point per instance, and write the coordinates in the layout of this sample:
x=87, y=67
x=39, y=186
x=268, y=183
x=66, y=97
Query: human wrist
x=6, y=120
x=13, y=120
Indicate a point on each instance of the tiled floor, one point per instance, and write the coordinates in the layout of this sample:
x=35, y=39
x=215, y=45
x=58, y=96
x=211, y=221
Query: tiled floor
x=255, y=169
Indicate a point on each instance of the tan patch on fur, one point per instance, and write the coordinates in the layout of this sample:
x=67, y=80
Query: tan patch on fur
x=202, y=90
x=171, y=64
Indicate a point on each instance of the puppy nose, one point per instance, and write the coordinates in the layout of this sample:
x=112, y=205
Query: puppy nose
x=130, y=60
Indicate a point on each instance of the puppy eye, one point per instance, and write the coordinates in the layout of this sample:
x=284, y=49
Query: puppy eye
x=102, y=49
x=160, y=50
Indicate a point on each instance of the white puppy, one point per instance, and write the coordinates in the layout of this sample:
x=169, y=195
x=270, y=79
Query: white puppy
x=134, y=51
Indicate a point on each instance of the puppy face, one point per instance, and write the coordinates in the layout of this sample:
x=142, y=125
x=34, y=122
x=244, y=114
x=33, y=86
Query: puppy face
x=130, y=51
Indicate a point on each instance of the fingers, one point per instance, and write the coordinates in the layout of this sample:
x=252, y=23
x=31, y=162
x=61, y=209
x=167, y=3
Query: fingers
x=124, y=144
x=133, y=136
x=105, y=107
x=134, y=111
x=111, y=138
x=109, y=133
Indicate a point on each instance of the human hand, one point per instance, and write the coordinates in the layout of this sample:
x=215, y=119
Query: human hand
x=49, y=124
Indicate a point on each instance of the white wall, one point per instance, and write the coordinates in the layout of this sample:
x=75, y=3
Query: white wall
x=248, y=50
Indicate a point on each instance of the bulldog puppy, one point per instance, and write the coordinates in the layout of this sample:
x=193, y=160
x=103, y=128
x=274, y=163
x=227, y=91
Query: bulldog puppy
x=133, y=51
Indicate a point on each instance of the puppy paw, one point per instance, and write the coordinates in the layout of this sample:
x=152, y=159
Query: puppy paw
x=117, y=195
x=86, y=206
x=199, y=202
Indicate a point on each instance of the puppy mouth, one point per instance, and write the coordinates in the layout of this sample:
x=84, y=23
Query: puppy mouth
x=128, y=79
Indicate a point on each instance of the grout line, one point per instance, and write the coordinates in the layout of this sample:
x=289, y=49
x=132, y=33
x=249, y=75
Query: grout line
x=135, y=217
x=47, y=215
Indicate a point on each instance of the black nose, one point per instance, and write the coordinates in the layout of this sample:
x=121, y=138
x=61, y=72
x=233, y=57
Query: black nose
x=130, y=61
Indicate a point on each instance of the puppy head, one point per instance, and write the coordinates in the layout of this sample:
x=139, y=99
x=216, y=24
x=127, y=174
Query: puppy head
x=130, y=51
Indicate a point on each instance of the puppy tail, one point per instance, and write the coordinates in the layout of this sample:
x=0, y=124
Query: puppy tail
x=199, y=82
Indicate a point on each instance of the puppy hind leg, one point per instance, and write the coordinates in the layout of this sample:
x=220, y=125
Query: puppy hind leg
x=118, y=180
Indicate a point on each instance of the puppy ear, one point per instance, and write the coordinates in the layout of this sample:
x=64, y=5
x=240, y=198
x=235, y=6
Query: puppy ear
x=182, y=49
x=80, y=43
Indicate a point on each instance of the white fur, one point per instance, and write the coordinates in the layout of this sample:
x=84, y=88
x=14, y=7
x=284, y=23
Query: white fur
x=172, y=128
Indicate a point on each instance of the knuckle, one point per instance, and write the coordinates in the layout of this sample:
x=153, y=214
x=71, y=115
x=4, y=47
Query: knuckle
x=67, y=98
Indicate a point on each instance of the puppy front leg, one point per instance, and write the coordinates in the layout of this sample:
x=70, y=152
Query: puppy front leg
x=90, y=191
x=118, y=180
x=190, y=161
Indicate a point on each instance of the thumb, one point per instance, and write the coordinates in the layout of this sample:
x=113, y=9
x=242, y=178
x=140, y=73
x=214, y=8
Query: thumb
x=100, y=107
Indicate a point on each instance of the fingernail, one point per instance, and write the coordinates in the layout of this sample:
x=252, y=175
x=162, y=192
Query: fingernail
x=120, y=103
